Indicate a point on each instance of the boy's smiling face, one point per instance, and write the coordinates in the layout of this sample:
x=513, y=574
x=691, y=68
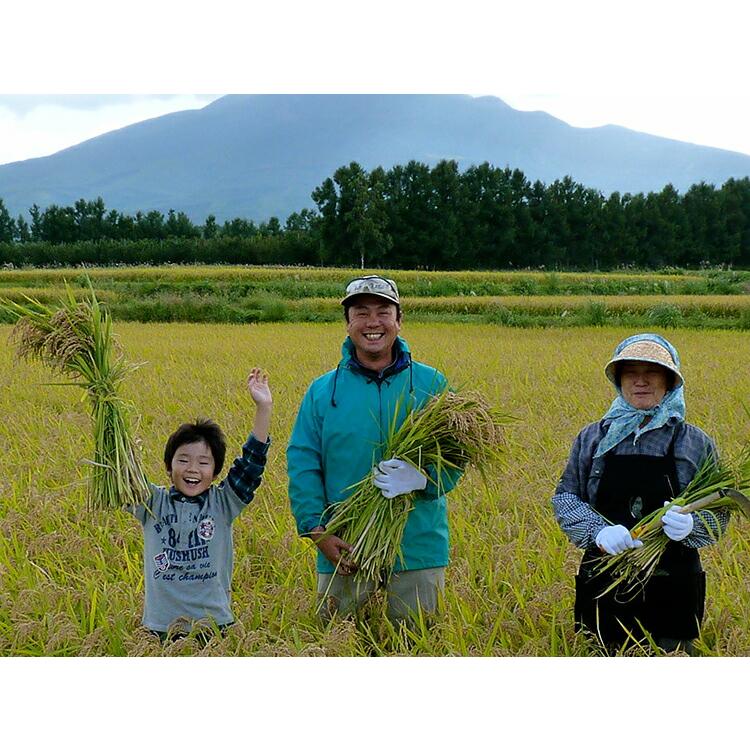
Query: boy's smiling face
x=192, y=468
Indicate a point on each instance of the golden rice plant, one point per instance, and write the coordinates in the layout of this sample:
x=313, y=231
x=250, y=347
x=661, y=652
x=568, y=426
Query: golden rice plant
x=419, y=284
x=451, y=432
x=76, y=340
x=716, y=485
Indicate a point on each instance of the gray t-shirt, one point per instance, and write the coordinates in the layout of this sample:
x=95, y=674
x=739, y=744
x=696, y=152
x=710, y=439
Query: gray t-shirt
x=187, y=555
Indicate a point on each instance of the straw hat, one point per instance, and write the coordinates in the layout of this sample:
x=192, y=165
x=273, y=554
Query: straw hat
x=645, y=351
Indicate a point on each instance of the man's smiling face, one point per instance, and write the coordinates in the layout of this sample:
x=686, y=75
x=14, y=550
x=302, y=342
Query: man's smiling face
x=373, y=325
x=192, y=468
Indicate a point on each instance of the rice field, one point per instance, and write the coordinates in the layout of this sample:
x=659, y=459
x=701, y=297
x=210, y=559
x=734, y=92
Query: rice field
x=71, y=581
x=420, y=283
x=713, y=299
x=678, y=310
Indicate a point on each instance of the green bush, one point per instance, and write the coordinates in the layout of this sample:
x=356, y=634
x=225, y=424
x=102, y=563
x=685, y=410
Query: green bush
x=273, y=310
x=665, y=315
x=501, y=316
x=593, y=314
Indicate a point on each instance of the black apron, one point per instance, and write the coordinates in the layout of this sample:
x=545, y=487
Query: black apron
x=672, y=602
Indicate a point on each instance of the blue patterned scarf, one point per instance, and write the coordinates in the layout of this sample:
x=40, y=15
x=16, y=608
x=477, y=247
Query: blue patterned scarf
x=625, y=420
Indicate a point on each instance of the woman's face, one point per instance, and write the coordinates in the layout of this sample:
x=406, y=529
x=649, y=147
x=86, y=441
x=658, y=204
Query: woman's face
x=643, y=384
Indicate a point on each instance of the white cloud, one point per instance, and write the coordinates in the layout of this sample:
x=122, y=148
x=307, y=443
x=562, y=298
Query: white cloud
x=35, y=128
x=712, y=120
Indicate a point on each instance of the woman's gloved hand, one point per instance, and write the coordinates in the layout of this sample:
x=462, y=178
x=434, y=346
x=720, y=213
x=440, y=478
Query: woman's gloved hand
x=677, y=525
x=396, y=477
x=616, y=539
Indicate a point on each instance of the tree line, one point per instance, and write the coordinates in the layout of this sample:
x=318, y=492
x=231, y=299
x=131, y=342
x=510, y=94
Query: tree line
x=414, y=216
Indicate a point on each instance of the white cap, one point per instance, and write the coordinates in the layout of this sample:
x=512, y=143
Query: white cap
x=378, y=286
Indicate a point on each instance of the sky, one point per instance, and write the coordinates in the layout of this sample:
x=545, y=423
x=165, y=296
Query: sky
x=39, y=125
x=675, y=69
x=666, y=68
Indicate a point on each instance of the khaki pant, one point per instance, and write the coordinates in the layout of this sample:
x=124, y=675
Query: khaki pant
x=406, y=593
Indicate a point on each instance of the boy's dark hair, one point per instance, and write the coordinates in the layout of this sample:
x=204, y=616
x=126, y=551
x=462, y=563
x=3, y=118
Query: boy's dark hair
x=350, y=304
x=194, y=432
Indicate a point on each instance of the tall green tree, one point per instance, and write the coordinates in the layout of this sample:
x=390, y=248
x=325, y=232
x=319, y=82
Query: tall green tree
x=23, y=233
x=270, y=228
x=178, y=224
x=707, y=230
x=735, y=206
x=7, y=224
x=446, y=237
x=239, y=228
x=353, y=217
x=36, y=223
x=326, y=199
x=614, y=242
x=151, y=225
x=302, y=221
x=409, y=209
x=210, y=228
x=89, y=219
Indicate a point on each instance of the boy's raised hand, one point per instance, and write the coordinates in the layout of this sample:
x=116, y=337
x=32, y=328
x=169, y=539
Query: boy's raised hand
x=257, y=384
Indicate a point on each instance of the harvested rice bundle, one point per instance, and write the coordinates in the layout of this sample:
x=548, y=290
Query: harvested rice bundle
x=452, y=431
x=722, y=485
x=76, y=340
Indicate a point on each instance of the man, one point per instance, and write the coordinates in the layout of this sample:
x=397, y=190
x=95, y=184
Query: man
x=337, y=439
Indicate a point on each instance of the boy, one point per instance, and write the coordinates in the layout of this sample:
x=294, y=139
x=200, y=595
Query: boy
x=187, y=529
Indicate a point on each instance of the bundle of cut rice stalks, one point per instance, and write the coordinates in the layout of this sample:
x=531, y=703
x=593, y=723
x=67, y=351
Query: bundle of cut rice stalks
x=76, y=339
x=724, y=484
x=451, y=432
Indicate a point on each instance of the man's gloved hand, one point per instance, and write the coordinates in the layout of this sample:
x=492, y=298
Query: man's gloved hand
x=677, y=525
x=396, y=477
x=616, y=539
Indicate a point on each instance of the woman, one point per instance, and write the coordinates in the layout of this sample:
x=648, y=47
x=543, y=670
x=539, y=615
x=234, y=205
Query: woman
x=640, y=455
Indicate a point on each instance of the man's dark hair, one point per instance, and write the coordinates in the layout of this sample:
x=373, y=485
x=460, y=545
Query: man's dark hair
x=193, y=432
x=353, y=302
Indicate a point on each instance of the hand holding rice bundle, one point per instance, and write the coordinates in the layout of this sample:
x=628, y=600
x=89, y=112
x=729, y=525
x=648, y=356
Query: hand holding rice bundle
x=76, y=339
x=451, y=432
x=716, y=485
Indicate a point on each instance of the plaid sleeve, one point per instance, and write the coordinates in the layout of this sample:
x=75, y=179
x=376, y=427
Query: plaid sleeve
x=708, y=527
x=578, y=520
x=695, y=447
x=246, y=472
x=580, y=467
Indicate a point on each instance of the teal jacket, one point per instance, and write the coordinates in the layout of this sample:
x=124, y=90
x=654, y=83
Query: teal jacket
x=338, y=437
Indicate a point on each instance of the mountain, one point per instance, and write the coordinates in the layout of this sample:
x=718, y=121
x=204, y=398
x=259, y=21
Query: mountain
x=258, y=156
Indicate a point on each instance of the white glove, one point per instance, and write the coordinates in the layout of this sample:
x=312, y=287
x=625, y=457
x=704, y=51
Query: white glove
x=616, y=539
x=396, y=477
x=677, y=525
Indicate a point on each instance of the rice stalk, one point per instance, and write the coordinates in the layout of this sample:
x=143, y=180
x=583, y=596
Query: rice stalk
x=451, y=432
x=715, y=485
x=76, y=340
